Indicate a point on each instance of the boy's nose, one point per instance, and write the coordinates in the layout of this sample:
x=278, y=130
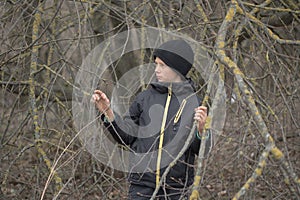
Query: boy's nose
x=157, y=69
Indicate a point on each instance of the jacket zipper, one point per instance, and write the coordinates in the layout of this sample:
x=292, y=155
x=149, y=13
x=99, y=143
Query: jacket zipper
x=179, y=112
x=161, y=136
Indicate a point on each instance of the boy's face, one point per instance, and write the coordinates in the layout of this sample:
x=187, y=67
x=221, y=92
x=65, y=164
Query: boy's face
x=164, y=73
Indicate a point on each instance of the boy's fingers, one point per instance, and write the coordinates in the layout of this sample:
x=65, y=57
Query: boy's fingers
x=203, y=108
x=104, y=96
x=101, y=95
x=94, y=98
x=98, y=92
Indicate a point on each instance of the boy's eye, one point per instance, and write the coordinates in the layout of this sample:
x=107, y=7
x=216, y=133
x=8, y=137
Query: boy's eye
x=160, y=64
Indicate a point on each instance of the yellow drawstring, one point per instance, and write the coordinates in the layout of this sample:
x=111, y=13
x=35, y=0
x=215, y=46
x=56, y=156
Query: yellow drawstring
x=161, y=137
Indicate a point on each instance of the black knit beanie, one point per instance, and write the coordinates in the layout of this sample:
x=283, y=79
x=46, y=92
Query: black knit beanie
x=177, y=54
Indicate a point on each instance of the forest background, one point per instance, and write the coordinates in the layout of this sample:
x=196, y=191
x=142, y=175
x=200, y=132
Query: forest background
x=255, y=44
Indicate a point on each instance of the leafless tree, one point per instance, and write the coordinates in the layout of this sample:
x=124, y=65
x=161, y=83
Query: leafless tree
x=255, y=46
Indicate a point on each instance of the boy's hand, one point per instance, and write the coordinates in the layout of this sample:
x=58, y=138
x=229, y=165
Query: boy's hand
x=102, y=103
x=200, y=116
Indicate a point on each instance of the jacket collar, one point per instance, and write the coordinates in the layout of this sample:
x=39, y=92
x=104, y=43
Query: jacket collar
x=178, y=88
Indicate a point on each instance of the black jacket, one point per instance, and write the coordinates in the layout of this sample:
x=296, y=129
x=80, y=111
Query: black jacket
x=140, y=130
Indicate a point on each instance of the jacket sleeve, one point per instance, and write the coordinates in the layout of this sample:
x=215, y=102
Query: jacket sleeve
x=124, y=129
x=195, y=146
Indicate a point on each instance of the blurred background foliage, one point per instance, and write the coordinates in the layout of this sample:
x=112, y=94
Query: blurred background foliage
x=43, y=44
